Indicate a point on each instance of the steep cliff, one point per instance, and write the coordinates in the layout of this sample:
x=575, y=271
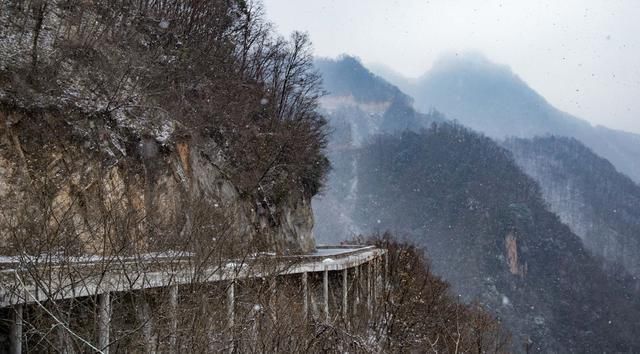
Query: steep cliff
x=600, y=204
x=127, y=128
x=92, y=174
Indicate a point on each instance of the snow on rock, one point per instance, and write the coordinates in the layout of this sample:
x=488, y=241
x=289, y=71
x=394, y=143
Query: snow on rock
x=164, y=132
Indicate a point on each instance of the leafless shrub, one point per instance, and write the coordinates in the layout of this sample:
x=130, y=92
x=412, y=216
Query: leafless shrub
x=420, y=314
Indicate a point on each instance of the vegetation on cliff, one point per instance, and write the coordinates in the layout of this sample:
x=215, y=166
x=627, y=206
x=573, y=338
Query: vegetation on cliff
x=160, y=105
x=140, y=135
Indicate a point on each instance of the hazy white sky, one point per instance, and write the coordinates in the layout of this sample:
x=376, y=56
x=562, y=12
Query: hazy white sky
x=582, y=55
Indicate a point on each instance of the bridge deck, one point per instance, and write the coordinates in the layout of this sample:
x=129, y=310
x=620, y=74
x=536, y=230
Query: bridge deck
x=94, y=275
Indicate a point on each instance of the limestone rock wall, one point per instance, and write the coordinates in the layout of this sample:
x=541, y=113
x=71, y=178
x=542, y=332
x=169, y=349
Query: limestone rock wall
x=83, y=186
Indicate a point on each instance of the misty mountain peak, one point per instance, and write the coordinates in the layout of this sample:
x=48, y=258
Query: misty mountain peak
x=469, y=62
x=347, y=76
x=472, y=76
x=488, y=97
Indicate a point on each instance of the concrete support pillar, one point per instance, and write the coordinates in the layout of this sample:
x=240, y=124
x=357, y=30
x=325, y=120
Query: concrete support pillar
x=386, y=271
x=255, y=313
x=231, y=313
x=305, y=296
x=64, y=346
x=356, y=290
x=16, y=330
x=325, y=292
x=207, y=319
x=231, y=303
x=273, y=299
x=147, y=325
x=345, y=294
x=104, y=321
x=368, y=288
x=173, y=323
x=374, y=289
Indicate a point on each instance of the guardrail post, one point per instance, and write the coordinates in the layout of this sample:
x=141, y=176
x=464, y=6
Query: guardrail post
x=104, y=321
x=16, y=330
x=305, y=296
x=173, y=324
x=325, y=288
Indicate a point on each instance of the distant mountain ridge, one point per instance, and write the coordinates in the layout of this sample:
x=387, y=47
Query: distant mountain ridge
x=493, y=100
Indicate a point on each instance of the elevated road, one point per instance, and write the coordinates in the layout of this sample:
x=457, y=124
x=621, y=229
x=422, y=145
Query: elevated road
x=30, y=282
x=23, y=282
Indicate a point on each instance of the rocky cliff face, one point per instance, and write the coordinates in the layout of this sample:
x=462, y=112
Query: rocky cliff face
x=147, y=126
x=599, y=203
x=77, y=176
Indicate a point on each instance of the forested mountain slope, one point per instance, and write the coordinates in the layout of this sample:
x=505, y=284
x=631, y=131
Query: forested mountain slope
x=483, y=221
x=600, y=204
x=488, y=231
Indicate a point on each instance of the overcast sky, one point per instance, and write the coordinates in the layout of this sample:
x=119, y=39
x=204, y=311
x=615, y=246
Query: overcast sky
x=582, y=55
